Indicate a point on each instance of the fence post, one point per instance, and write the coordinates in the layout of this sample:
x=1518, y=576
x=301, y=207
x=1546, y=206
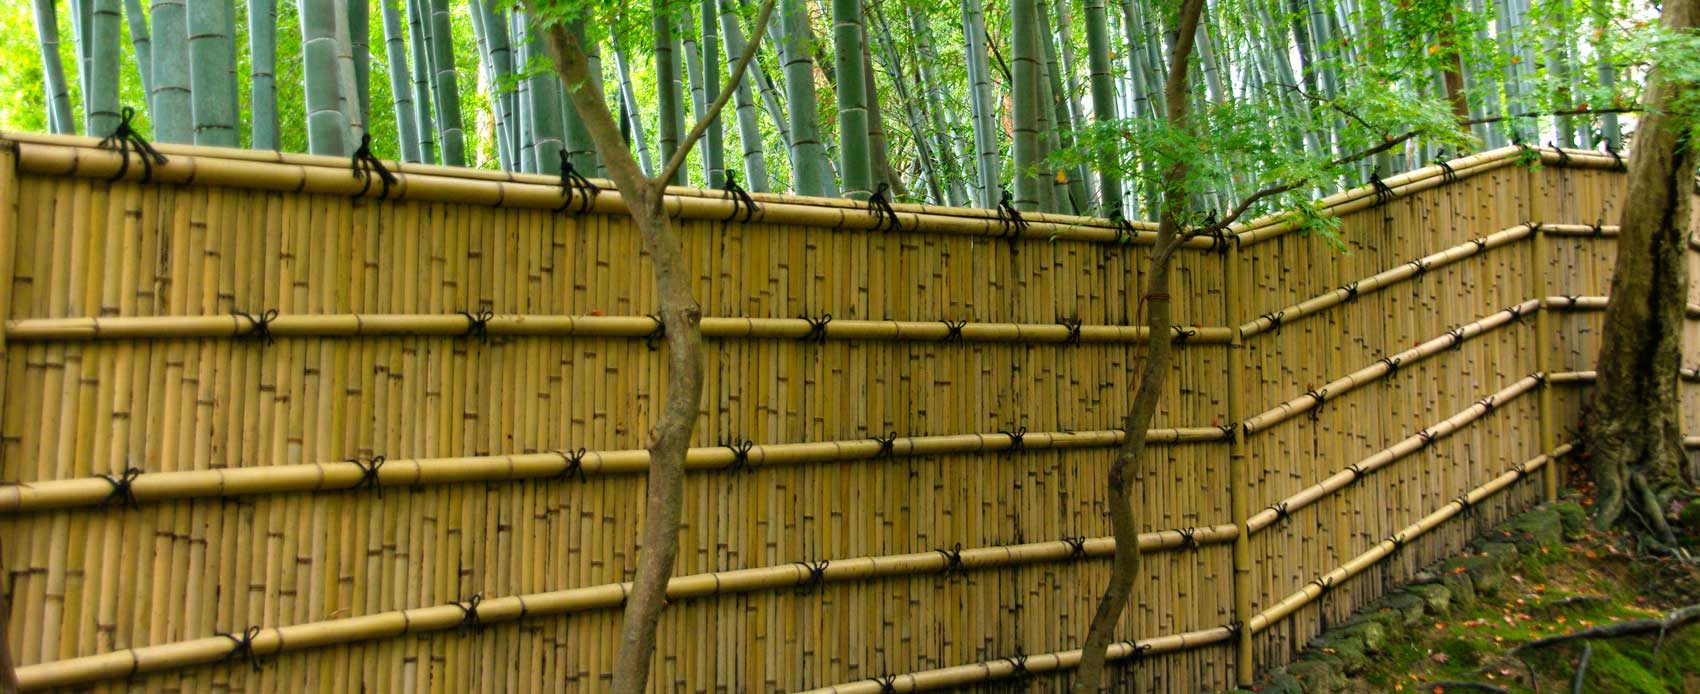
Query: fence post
x=1238, y=493
x=1543, y=325
x=8, y=239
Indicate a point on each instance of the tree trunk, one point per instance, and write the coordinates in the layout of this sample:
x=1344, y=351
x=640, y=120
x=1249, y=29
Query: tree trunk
x=424, y=125
x=855, y=161
x=1024, y=93
x=810, y=173
x=142, y=45
x=327, y=124
x=713, y=147
x=448, y=90
x=212, y=72
x=1103, y=100
x=1125, y=473
x=982, y=105
x=101, y=111
x=53, y=69
x=749, y=128
x=401, y=84
x=1635, y=431
x=262, y=73
x=669, y=103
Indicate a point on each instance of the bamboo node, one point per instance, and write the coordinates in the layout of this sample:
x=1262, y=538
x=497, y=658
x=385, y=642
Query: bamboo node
x=124, y=138
x=572, y=181
x=469, y=612
x=259, y=327
x=1076, y=546
x=879, y=207
x=1013, y=224
x=574, y=464
x=953, y=330
x=1017, y=438
x=952, y=559
x=740, y=454
x=243, y=646
x=369, y=473
x=886, y=443
x=478, y=324
x=740, y=199
x=817, y=327
x=121, y=489
x=365, y=164
x=817, y=574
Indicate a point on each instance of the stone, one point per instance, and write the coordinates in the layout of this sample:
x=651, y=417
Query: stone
x=1537, y=528
x=1283, y=683
x=1346, y=647
x=1373, y=635
x=1503, y=552
x=1486, y=574
x=1573, y=517
x=1436, y=597
x=1463, y=587
x=1408, y=606
x=1319, y=675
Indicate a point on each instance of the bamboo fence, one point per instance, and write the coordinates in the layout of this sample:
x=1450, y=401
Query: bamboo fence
x=266, y=428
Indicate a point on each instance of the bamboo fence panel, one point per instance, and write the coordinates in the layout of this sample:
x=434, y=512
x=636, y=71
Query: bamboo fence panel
x=139, y=334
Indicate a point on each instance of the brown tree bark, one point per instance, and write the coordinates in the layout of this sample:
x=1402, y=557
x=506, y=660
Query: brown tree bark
x=1635, y=432
x=680, y=315
x=1124, y=471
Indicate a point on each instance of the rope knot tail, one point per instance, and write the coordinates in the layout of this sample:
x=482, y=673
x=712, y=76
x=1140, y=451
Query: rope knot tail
x=365, y=164
x=1073, y=325
x=1076, y=546
x=1318, y=397
x=469, y=613
x=243, y=646
x=886, y=443
x=953, y=330
x=122, y=494
x=1447, y=173
x=1617, y=159
x=1017, y=438
x=817, y=327
x=259, y=326
x=574, y=183
x=573, y=464
x=816, y=574
x=656, y=336
x=1563, y=159
x=952, y=559
x=1383, y=194
x=740, y=454
x=879, y=207
x=1013, y=223
x=125, y=139
x=369, y=468
x=478, y=325
x=740, y=199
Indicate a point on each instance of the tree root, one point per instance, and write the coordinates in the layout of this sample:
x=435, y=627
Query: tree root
x=1637, y=627
x=1449, y=685
x=1582, y=668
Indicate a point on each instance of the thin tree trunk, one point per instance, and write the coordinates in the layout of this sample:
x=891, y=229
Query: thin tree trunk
x=423, y=124
x=576, y=136
x=1025, y=93
x=102, y=108
x=982, y=106
x=713, y=147
x=212, y=71
x=262, y=73
x=810, y=173
x=942, y=121
x=668, y=102
x=401, y=84
x=447, y=89
x=1103, y=101
x=359, y=43
x=634, y=114
x=327, y=123
x=53, y=69
x=855, y=160
x=347, y=89
x=143, y=47
x=1125, y=472
x=879, y=161
x=501, y=60
x=1635, y=431
x=749, y=128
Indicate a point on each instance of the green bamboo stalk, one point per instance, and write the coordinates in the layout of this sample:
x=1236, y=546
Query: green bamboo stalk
x=526, y=145
x=810, y=172
x=360, y=40
x=580, y=149
x=770, y=101
x=854, y=158
x=327, y=123
x=1052, y=195
x=1103, y=100
x=487, y=81
x=713, y=141
x=691, y=53
x=924, y=155
x=500, y=59
x=82, y=13
x=982, y=106
x=1025, y=94
x=941, y=119
x=212, y=68
x=172, y=119
x=628, y=97
x=401, y=84
x=1069, y=192
x=424, y=126
x=668, y=99
x=1558, y=70
x=546, y=114
x=441, y=46
x=749, y=128
x=1082, y=187
x=879, y=160
x=1607, y=72
x=348, y=88
x=142, y=45
x=53, y=69
x=262, y=73
x=101, y=111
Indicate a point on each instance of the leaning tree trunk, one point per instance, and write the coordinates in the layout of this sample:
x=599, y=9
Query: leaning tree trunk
x=262, y=72
x=53, y=69
x=1635, y=432
x=1124, y=471
x=212, y=67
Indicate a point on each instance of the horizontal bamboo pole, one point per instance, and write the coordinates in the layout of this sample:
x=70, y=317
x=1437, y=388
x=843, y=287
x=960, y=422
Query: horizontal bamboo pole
x=341, y=475
x=1392, y=454
x=449, y=325
x=1572, y=377
x=1313, y=590
x=1374, y=372
x=122, y=663
x=1598, y=303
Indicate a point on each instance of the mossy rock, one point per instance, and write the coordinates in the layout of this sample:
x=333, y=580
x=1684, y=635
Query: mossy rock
x=1408, y=606
x=1463, y=588
x=1347, y=647
x=1486, y=575
x=1436, y=598
x=1373, y=635
x=1537, y=528
x=1283, y=683
x=1387, y=618
x=1574, y=518
x=1503, y=552
x=1319, y=674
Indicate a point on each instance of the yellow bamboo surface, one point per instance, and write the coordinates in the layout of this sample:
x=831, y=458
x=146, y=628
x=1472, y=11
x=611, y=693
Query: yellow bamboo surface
x=497, y=355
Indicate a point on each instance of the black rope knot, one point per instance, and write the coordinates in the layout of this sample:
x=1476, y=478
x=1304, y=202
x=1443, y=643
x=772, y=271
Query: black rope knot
x=1320, y=396
x=1228, y=431
x=1465, y=506
x=1522, y=470
x=740, y=454
x=1073, y=325
x=1457, y=335
x=1013, y=224
x=1563, y=159
x=259, y=327
x=1540, y=378
x=1481, y=244
x=952, y=559
x=1323, y=584
x=953, y=330
x=1392, y=364
x=369, y=468
x=574, y=464
x=1422, y=267
x=885, y=444
x=1076, y=546
x=125, y=139
x=1535, y=227
x=1137, y=651
x=365, y=164
x=469, y=612
x=1357, y=471
x=817, y=574
x=1189, y=538
x=1351, y=290
x=1018, y=665
x=1398, y=540
x=879, y=207
x=573, y=182
x=656, y=336
x=1598, y=228
x=1616, y=158
x=1487, y=404
x=1274, y=318
x=1516, y=312
x=1016, y=438
x=121, y=490
x=1125, y=233
x=1183, y=334
x=243, y=646
x=740, y=199
x=1281, y=512
x=1234, y=628
x=817, y=327
x=1447, y=174
x=887, y=683
x=1382, y=193
x=478, y=324
x=1427, y=438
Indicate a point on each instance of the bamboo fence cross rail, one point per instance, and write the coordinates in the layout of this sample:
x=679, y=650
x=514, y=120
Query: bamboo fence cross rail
x=248, y=389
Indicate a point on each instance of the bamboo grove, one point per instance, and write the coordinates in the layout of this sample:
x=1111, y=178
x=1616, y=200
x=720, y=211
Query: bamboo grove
x=937, y=101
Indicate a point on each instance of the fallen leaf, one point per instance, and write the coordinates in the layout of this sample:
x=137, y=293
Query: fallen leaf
x=1439, y=658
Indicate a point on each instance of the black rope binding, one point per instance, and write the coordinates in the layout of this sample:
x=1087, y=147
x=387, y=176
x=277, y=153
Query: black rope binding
x=817, y=328
x=885, y=444
x=1522, y=470
x=1274, y=318
x=952, y=559
x=243, y=647
x=1383, y=194
x=1465, y=506
x=1189, y=538
x=953, y=330
x=1598, y=228
x=1398, y=540
x=1016, y=438
x=1125, y=233
x=740, y=454
x=1324, y=584
x=1447, y=174
x=121, y=490
x=1281, y=512
x=1018, y=665
x=1076, y=546
x=1137, y=651
x=1457, y=335
x=478, y=324
x=1534, y=227
x=1481, y=244
x=1183, y=334
x=1516, y=312
x=1616, y=158
x=1234, y=628
x=365, y=164
x=469, y=612
x=574, y=460
x=1487, y=404
x=1392, y=364
x=1013, y=224
x=656, y=336
x=1073, y=325
x=740, y=199
x=125, y=139
x=1357, y=471
x=1427, y=438
x=1351, y=289
x=1228, y=431
x=887, y=683
x=817, y=574
x=572, y=182
x=1563, y=159
x=1422, y=267
x=1320, y=396
x=369, y=468
x=880, y=209
x=259, y=327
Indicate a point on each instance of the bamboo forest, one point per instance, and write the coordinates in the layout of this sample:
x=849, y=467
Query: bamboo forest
x=850, y=346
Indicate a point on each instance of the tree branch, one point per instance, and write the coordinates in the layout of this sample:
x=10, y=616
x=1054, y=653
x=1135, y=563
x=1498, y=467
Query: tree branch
x=1675, y=620
x=1330, y=103
x=685, y=145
